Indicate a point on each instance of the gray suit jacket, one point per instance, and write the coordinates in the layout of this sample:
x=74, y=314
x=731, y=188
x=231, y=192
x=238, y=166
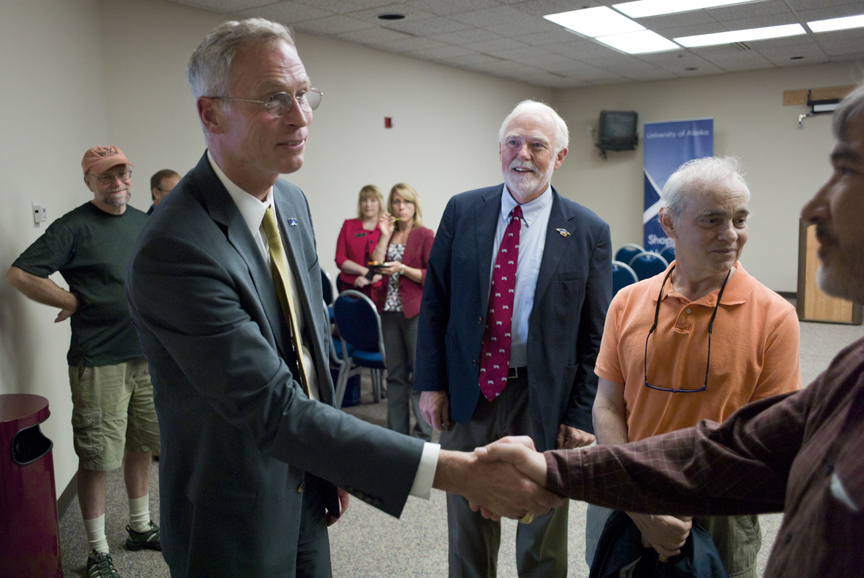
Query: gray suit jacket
x=237, y=432
x=574, y=287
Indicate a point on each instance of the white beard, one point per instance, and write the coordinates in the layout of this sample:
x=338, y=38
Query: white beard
x=527, y=184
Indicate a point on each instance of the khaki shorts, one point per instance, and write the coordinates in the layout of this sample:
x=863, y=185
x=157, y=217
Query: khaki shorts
x=112, y=412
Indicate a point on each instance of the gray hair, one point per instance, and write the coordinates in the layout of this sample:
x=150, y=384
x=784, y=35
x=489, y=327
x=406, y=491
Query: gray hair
x=209, y=69
x=562, y=135
x=849, y=107
x=694, y=178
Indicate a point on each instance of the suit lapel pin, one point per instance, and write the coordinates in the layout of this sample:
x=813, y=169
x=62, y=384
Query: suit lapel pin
x=563, y=232
x=292, y=222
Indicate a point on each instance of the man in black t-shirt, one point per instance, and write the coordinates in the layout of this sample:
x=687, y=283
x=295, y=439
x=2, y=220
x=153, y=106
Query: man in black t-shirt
x=113, y=417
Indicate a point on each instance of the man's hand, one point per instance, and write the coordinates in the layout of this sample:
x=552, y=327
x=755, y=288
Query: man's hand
x=67, y=312
x=570, y=438
x=344, y=499
x=519, y=451
x=496, y=486
x=435, y=409
x=666, y=534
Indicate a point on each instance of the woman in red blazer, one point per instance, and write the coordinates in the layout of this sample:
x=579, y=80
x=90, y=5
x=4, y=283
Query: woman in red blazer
x=357, y=239
x=404, y=249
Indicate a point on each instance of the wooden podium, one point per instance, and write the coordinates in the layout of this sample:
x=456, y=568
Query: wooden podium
x=813, y=304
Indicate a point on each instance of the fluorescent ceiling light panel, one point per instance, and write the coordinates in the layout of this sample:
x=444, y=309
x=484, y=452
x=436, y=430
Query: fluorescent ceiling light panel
x=837, y=23
x=733, y=36
x=641, y=42
x=594, y=22
x=645, y=8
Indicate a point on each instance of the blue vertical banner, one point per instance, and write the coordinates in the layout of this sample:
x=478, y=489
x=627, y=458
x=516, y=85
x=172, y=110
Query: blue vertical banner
x=668, y=145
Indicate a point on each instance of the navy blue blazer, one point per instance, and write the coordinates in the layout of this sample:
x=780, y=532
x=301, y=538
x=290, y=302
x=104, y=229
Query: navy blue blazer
x=574, y=287
x=238, y=435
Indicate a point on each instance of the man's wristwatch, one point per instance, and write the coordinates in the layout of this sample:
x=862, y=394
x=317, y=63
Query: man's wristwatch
x=369, y=274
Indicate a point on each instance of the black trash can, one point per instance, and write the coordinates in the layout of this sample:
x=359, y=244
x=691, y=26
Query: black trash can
x=29, y=532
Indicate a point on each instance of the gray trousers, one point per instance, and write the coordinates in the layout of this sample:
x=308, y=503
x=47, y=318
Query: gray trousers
x=541, y=546
x=400, y=345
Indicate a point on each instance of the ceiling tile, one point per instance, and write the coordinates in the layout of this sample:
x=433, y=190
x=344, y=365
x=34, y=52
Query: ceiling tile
x=580, y=49
x=543, y=7
x=344, y=6
x=332, y=25
x=426, y=26
x=748, y=11
x=379, y=37
x=410, y=13
x=811, y=4
x=287, y=12
x=677, y=62
x=497, y=45
x=450, y=7
x=783, y=59
x=550, y=37
x=525, y=25
x=760, y=21
x=224, y=5
x=490, y=17
x=708, y=28
x=545, y=60
x=464, y=37
x=677, y=20
x=825, y=13
x=735, y=59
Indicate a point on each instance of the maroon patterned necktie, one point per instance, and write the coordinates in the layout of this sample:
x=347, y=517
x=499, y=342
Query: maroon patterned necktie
x=495, y=354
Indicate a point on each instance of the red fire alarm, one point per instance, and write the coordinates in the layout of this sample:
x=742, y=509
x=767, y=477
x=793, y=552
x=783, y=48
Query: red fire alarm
x=388, y=122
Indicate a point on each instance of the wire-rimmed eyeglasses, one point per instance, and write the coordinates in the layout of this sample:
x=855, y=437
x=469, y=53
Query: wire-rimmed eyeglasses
x=109, y=178
x=279, y=104
x=710, y=331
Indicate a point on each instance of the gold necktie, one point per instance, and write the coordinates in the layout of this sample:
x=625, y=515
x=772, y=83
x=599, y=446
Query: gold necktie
x=282, y=281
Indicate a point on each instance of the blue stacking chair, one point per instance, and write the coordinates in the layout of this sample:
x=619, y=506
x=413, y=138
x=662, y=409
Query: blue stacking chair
x=622, y=275
x=668, y=253
x=360, y=333
x=626, y=253
x=327, y=292
x=648, y=264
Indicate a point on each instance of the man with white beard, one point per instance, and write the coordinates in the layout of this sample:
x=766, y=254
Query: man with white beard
x=516, y=292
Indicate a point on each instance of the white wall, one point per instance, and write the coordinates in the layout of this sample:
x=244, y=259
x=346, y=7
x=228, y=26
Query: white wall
x=785, y=165
x=53, y=101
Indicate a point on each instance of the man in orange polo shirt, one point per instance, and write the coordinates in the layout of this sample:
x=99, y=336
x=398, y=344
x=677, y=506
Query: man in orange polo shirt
x=696, y=342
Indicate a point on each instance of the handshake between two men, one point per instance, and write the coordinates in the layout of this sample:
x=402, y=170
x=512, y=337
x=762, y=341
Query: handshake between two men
x=506, y=478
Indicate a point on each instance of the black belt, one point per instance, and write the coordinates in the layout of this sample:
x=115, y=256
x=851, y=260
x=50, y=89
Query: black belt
x=517, y=372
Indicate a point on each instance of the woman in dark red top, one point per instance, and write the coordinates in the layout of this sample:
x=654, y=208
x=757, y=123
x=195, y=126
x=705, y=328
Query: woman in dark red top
x=357, y=239
x=404, y=249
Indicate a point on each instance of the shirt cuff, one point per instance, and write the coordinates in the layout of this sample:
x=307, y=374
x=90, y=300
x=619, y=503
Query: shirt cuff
x=422, y=486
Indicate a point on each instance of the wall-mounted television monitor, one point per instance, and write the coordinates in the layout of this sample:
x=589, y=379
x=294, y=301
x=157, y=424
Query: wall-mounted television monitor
x=617, y=130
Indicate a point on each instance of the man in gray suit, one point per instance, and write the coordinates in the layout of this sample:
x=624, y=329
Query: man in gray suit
x=224, y=289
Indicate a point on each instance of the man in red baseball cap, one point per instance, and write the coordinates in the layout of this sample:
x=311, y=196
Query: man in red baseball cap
x=113, y=418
